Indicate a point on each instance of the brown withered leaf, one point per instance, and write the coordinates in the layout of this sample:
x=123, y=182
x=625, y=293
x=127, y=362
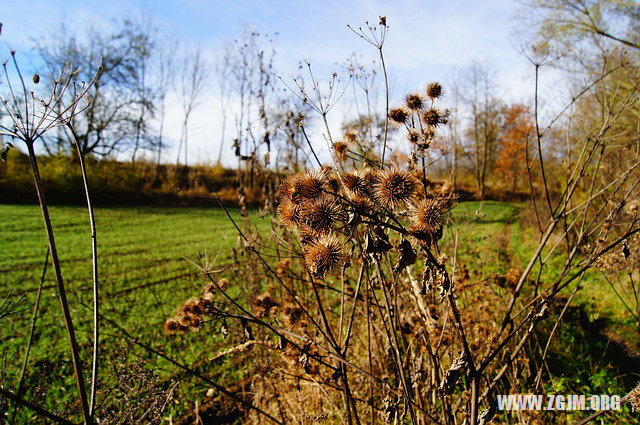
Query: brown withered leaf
x=453, y=375
x=407, y=256
x=429, y=277
x=486, y=415
x=377, y=242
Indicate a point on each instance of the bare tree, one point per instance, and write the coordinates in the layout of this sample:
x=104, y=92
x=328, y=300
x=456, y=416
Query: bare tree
x=223, y=74
x=482, y=126
x=112, y=123
x=453, y=129
x=165, y=74
x=191, y=90
x=144, y=93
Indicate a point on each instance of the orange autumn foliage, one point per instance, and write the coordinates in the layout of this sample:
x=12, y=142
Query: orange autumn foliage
x=517, y=129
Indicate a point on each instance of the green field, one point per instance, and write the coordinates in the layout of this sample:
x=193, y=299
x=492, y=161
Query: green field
x=146, y=271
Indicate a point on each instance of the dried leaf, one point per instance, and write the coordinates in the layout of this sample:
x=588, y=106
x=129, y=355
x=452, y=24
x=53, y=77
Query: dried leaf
x=453, y=375
x=407, y=256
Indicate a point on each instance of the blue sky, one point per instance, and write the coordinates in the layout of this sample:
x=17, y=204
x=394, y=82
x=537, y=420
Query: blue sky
x=427, y=39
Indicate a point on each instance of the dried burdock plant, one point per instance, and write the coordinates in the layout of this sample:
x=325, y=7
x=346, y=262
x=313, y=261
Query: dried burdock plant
x=361, y=308
x=434, y=90
x=394, y=188
x=414, y=102
x=324, y=255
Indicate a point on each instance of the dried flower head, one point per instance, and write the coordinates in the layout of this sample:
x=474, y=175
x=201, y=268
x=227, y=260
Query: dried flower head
x=263, y=304
x=633, y=207
x=308, y=185
x=414, y=101
x=395, y=188
x=173, y=326
x=340, y=149
x=413, y=136
x=434, y=90
x=426, y=219
x=350, y=137
x=333, y=183
x=398, y=115
x=288, y=212
x=324, y=255
x=291, y=316
x=433, y=117
x=223, y=284
x=286, y=188
x=321, y=214
x=428, y=134
x=192, y=321
x=192, y=306
x=371, y=179
x=360, y=204
x=356, y=184
x=307, y=235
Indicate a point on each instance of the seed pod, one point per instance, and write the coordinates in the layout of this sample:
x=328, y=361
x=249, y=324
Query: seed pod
x=434, y=90
x=36, y=78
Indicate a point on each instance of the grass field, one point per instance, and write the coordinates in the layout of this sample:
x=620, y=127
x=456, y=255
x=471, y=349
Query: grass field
x=146, y=273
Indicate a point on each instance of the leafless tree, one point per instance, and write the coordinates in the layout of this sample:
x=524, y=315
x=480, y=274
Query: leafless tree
x=112, y=123
x=165, y=74
x=191, y=89
x=482, y=120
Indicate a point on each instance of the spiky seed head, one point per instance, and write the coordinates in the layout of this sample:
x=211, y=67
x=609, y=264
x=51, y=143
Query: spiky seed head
x=433, y=117
x=395, y=188
x=171, y=326
x=340, y=149
x=414, y=101
x=286, y=188
x=355, y=184
x=333, y=182
x=209, y=290
x=324, y=255
x=289, y=214
x=428, y=133
x=308, y=236
x=350, y=137
x=633, y=207
x=206, y=304
x=190, y=321
x=634, y=398
x=426, y=218
x=413, y=136
x=434, y=90
x=371, y=179
x=192, y=306
x=263, y=304
x=223, y=284
x=292, y=316
x=399, y=115
x=321, y=214
x=308, y=185
x=360, y=204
